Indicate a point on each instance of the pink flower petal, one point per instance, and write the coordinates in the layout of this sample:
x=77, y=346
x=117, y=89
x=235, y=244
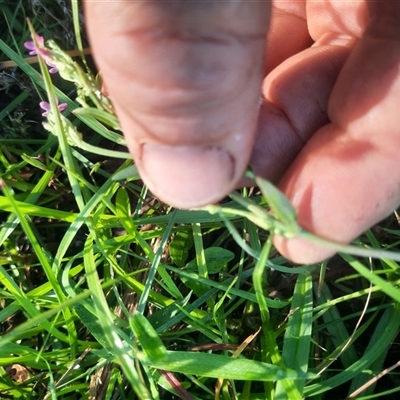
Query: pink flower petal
x=30, y=45
x=44, y=105
x=53, y=70
x=62, y=106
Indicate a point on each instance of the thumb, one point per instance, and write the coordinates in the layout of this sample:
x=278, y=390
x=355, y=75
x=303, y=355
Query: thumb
x=185, y=80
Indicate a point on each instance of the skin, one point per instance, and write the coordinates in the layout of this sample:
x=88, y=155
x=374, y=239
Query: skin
x=186, y=79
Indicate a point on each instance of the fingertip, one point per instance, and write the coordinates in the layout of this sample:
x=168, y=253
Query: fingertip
x=340, y=188
x=187, y=176
x=302, y=251
x=185, y=81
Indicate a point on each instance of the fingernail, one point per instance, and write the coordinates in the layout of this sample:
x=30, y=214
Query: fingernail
x=185, y=176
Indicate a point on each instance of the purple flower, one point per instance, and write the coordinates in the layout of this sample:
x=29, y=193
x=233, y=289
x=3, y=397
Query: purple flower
x=30, y=45
x=41, y=51
x=53, y=69
x=44, y=105
x=46, y=55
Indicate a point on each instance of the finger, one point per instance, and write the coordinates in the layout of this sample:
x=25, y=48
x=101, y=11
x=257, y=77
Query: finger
x=288, y=33
x=298, y=90
x=296, y=104
x=276, y=144
x=347, y=178
x=185, y=80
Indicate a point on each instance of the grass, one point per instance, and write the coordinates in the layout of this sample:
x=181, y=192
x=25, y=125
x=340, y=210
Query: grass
x=106, y=293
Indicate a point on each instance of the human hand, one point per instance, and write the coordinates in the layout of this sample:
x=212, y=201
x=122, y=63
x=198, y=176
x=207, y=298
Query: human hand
x=185, y=78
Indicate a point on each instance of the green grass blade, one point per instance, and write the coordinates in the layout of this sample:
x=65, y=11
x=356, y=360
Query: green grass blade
x=216, y=366
x=27, y=306
x=289, y=388
x=148, y=337
x=15, y=103
x=337, y=330
x=153, y=269
x=200, y=259
x=115, y=343
x=207, y=365
x=297, y=339
x=384, y=285
x=34, y=195
x=385, y=332
x=45, y=263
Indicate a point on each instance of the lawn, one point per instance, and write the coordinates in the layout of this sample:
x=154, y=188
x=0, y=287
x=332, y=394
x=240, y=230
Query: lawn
x=107, y=293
